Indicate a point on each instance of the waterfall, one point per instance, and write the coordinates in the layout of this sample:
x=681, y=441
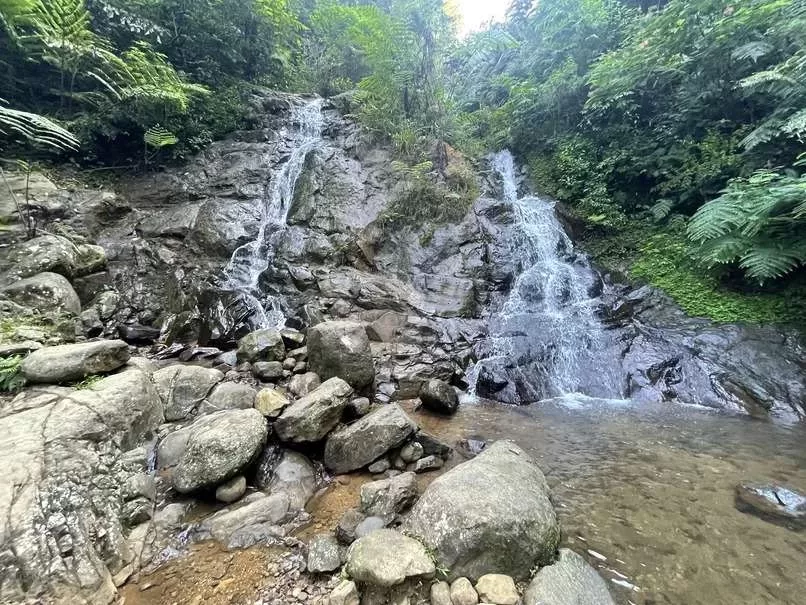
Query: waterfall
x=249, y=261
x=546, y=338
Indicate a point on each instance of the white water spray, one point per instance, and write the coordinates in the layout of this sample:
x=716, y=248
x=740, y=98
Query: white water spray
x=249, y=261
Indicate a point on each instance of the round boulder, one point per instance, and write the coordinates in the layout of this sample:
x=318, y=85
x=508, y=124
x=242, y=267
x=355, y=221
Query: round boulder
x=386, y=558
x=569, y=581
x=438, y=396
x=341, y=349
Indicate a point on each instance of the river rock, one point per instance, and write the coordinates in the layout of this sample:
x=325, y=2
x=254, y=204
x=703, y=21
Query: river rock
x=232, y=490
x=45, y=292
x=389, y=497
x=219, y=446
x=369, y=525
x=463, y=593
x=348, y=522
x=352, y=447
x=262, y=345
x=441, y=593
x=311, y=418
x=490, y=513
x=67, y=363
x=772, y=503
x=497, y=588
x=271, y=402
x=438, y=396
x=184, y=387
x=267, y=371
x=429, y=463
x=412, y=452
x=569, y=581
x=345, y=593
x=341, y=348
x=230, y=396
x=386, y=558
x=295, y=477
x=302, y=384
x=251, y=514
x=323, y=554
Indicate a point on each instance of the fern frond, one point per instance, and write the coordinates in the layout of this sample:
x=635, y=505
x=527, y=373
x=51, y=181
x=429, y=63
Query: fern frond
x=159, y=137
x=35, y=128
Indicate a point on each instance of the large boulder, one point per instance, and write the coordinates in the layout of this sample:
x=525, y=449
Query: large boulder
x=341, y=348
x=262, y=345
x=386, y=558
x=311, y=418
x=230, y=396
x=438, y=396
x=491, y=513
x=352, y=447
x=68, y=363
x=55, y=254
x=183, y=388
x=45, y=292
x=569, y=581
x=219, y=446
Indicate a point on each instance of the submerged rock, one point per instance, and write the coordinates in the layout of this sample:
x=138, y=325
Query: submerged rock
x=386, y=558
x=773, y=503
x=341, y=348
x=311, y=418
x=569, y=581
x=67, y=363
x=491, y=513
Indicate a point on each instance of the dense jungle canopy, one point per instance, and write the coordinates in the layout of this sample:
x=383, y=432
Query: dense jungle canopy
x=674, y=131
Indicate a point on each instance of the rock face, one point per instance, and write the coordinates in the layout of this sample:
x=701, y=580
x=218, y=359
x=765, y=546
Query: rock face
x=341, y=348
x=490, y=513
x=218, y=447
x=386, y=558
x=311, y=418
x=61, y=537
x=773, y=503
x=569, y=581
x=68, y=363
x=352, y=447
x=183, y=388
x=46, y=292
x=438, y=396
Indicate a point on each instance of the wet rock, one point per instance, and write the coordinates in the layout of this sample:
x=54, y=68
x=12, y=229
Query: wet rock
x=386, y=558
x=441, y=593
x=45, y=292
x=492, y=512
x=341, y=349
x=139, y=334
x=498, y=589
x=323, y=554
x=230, y=396
x=311, y=418
x=293, y=339
x=67, y=363
x=232, y=490
x=389, y=497
x=184, y=387
x=345, y=593
x=267, y=371
x=381, y=466
x=218, y=447
x=463, y=593
x=412, y=452
x=569, y=581
x=295, y=477
x=429, y=463
x=432, y=445
x=359, y=407
x=91, y=322
x=302, y=384
x=773, y=503
x=271, y=402
x=345, y=529
x=262, y=345
x=438, y=396
x=253, y=515
x=352, y=447
x=472, y=447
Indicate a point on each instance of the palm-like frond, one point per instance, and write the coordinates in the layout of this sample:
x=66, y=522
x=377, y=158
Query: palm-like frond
x=35, y=128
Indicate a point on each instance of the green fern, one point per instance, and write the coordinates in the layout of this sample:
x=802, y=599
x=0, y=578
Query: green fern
x=158, y=137
x=35, y=128
x=11, y=380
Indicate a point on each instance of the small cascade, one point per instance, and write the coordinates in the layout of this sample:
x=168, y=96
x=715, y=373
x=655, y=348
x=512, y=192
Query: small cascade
x=249, y=261
x=545, y=340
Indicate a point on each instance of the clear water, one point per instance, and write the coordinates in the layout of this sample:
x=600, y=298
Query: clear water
x=249, y=261
x=547, y=329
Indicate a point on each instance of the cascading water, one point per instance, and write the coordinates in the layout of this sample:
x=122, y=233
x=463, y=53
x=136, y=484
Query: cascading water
x=249, y=261
x=546, y=339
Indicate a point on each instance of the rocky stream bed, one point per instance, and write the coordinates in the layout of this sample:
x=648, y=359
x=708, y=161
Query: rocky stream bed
x=166, y=449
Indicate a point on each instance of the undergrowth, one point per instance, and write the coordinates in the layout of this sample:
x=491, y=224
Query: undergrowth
x=11, y=379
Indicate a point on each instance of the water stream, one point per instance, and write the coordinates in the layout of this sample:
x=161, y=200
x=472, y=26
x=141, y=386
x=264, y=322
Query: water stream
x=546, y=337
x=249, y=261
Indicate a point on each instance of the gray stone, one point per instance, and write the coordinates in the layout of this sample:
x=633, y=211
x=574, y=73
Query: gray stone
x=248, y=514
x=491, y=513
x=184, y=387
x=323, y=554
x=386, y=558
x=380, y=466
x=345, y=593
x=341, y=349
x=289, y=364
x=292, y=338
x=267, y=371
x=411, y=452
x=295, y=477
x=389, y=497
x=311, y=418
x=345, y=529
x=438, y=396
x=232, y=490
x=230, y=396
x=463, y=593
x=441, y=593
x=67, y=363
x=352, y=447
x=569, y=581
x=358, y=407
x=302, y=384
x=369, y=525
x=271, y=402
x=262, y=345
x=91, y=322
x=773, y=503
x=429, y=463
x=497, y=588
x=46, y=293
x=219, y=446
